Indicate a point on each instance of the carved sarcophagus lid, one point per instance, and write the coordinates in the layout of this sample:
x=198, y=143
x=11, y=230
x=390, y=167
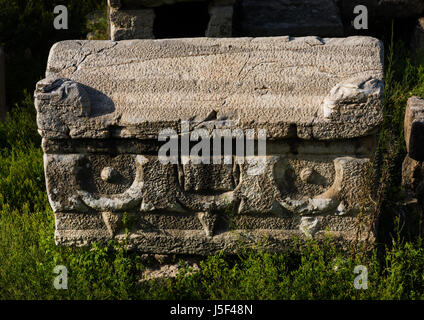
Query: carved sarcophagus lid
x=105, y=106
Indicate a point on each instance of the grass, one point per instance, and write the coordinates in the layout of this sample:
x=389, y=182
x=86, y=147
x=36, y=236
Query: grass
x=28, y=254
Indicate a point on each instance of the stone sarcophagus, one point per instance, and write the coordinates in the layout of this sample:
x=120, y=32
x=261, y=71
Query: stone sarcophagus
x=132, y=140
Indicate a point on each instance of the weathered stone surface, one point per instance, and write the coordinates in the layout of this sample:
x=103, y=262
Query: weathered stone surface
x=166, y=271
x=413, y=178
x=412, y=168
x=3, y=110
x=131, y=24
x=103, y=104
x=249, y=82
x=414, y=128
x=289, y=17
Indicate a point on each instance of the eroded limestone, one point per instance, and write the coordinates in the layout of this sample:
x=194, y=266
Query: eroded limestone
x=103, y=104
x=412, y=168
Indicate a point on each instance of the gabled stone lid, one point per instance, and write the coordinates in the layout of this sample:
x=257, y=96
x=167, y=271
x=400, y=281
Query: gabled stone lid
x=310, y=88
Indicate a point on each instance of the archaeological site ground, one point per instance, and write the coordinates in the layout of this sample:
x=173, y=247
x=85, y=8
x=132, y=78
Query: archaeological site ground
x=212, y=150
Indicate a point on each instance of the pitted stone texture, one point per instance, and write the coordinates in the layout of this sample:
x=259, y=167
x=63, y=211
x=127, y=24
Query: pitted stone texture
x=289, y=17
x=279, y=190
x=309, y=225
x=412, y=168
x=160, y=206
x=414, y=128
x=413, y=178
x=273, y=233
x=137, y=87
x=168, y=271
x=131, y=24
x=266, y=184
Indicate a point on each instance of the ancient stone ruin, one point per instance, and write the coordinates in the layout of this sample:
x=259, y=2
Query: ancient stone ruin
x=137, y=19
x=103, y=106
x=149, y=19
x=413, y=170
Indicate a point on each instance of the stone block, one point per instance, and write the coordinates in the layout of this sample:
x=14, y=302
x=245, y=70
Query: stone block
x=104, y=105
x=412, y=167
x=413, y=178
x=289, y=17
x=131, y=24
x=414, y=128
